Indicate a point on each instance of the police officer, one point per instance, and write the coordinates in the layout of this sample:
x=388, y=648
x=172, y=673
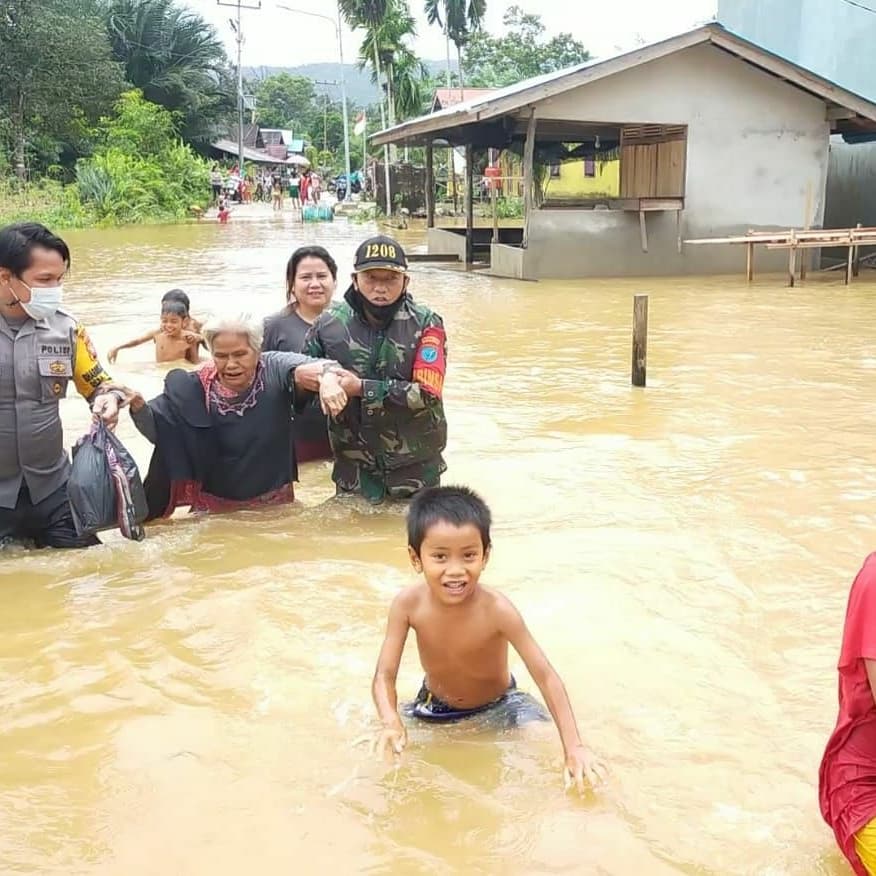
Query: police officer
x=388, y=441
x=42, y=348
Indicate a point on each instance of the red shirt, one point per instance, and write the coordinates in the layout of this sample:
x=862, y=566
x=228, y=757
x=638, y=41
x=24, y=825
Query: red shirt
x=847, y=778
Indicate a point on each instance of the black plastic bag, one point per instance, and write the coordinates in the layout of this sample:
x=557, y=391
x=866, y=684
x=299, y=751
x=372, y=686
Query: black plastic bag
x=105, y=490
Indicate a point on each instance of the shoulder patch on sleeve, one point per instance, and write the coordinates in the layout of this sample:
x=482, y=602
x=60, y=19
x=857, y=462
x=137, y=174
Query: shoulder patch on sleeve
x=430, y=362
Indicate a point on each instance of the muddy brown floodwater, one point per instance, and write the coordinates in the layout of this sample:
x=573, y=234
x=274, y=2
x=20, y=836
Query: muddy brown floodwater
x=190, y=704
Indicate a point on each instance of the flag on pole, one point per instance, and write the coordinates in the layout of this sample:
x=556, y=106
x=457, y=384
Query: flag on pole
x=359, y=125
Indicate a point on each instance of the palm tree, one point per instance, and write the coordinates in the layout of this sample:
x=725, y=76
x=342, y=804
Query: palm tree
x=368, y=14
x=461, y=17
x=404, y=71
x=409, y=76
x=175, y=58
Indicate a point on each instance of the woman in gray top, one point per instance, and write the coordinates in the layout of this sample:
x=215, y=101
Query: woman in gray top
x=311, y=279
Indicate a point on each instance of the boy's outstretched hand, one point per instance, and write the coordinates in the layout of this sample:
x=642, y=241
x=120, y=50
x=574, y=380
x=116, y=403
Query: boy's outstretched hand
x=391, y=740
x=581, y=764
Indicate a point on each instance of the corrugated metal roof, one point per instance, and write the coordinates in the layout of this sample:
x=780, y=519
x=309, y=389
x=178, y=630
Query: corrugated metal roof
x=507, y=100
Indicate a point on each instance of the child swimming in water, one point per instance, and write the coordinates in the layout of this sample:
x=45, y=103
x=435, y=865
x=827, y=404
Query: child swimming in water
x=463, y=632
x=191, y=324
x=173, y=342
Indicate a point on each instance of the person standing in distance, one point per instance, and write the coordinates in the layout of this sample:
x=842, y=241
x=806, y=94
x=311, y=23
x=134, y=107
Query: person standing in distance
x=388, y=441
x=42, y=348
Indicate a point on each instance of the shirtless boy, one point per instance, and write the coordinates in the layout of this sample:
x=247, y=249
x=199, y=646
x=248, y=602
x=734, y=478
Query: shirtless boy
x=190, y=324
x=463, y=631
x=173, y=342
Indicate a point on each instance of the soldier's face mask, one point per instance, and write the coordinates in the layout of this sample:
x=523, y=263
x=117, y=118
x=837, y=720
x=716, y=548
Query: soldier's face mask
x=385, y=305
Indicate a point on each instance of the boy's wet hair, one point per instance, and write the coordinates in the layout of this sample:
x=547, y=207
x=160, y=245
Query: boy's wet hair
x=455, y=505
x=177, y=295
x=174, y=308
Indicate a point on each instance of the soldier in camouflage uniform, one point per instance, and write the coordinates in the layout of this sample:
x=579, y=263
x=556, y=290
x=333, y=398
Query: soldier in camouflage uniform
x=387, y=443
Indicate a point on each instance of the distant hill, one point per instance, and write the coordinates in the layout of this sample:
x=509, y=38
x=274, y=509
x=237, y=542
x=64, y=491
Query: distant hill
x=360, y=89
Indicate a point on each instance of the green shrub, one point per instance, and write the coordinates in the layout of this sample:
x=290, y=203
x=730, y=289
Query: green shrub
x=142, y=172
x=509, y=208
x=47, y=201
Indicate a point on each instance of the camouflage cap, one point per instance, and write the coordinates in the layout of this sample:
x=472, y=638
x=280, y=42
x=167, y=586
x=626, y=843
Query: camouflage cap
x=381, y=253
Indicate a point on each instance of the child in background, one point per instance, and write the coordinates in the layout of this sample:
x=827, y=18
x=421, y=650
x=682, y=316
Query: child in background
x=224, y=210
x=463, y=632
x=173, y=342
x=191, y=324
x=277, y=192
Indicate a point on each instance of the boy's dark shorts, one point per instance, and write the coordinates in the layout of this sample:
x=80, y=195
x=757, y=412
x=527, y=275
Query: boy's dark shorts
x=511, y=709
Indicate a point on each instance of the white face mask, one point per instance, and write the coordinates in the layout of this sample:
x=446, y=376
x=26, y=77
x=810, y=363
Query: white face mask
x=44, y=301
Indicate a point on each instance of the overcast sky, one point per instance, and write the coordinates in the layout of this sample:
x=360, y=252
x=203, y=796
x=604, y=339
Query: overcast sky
x=278, y=38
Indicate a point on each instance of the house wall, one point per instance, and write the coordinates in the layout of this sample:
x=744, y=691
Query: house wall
x=757, y=156
x=834, y=40
x=441, y=242
x=851, y=185
x=851, y=191
x=572, y=183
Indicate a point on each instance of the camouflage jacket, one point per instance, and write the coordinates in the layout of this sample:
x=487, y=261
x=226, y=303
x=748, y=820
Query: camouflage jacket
x=389, y=441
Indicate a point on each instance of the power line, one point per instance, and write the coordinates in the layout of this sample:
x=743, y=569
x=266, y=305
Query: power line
x=238, y=32
x=860, y=6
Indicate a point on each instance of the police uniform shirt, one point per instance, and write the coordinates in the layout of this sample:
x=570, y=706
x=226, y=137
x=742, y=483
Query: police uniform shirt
x=38, y=359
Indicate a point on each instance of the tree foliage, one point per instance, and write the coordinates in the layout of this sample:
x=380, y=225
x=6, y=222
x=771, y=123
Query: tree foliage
x=176, y=59
x=291, y=102
x=405, y=73
x=141, y=171
x=57, y=77
x=286, y=101
x=461, y=19
x=522, y=52
x=370, y=16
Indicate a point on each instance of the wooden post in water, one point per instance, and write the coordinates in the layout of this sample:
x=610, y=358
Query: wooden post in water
x=749, y=262
x=792, y=258
x=640, y=339
x=850, y=260
x=856, y=263
x=430, y=185
x=804, y=254
x=528, y=175
x=469, y=203
x=494, y=207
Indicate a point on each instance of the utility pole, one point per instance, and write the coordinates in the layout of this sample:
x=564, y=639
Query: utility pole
x=238, y=32
x=325, y=111
x=339, y=33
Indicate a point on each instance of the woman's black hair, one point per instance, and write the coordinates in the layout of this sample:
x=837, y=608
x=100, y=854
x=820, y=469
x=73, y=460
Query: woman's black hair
x=177, y=295
x=455, y=505
x=305, y=252
x=18, y=241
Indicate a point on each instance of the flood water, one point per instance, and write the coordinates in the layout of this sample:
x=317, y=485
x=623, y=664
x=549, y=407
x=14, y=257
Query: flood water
x=191, y=704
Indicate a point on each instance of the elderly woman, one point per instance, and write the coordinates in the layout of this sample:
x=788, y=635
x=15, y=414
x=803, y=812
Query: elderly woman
x=223, y=433
x=311, y=280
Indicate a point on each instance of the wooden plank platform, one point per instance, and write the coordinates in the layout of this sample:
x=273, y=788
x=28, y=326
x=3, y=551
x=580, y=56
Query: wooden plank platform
x=799, y=239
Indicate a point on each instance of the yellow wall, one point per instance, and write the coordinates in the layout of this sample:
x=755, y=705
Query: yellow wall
x=571, y=183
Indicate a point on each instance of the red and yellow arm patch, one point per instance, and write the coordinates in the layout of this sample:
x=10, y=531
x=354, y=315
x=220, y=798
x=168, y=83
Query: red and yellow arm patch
x=88, y=373
x=430, y=361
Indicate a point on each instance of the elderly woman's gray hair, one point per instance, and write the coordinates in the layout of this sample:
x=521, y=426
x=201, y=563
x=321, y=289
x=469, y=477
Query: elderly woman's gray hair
x=242, y=324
